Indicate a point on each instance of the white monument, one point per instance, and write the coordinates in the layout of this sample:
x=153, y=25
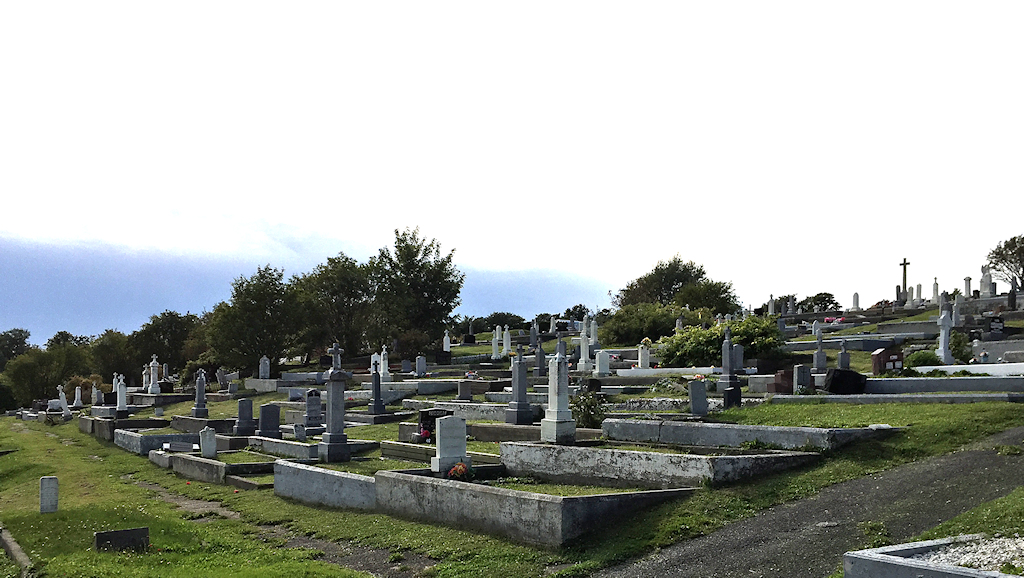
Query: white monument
x=945, y=326
x=446, y=342
x=264, y=367
x=506, y=342
x=558, y=426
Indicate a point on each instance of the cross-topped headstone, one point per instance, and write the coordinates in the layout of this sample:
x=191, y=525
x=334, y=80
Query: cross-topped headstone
x=904, y=265
x=336, y=352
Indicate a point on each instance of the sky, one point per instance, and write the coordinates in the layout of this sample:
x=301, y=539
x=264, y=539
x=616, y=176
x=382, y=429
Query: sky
x=152, y=152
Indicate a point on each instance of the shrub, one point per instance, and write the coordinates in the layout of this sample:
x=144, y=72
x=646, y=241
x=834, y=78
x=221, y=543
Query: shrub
x=696, y=346
x=919, y=358
x=587, y=409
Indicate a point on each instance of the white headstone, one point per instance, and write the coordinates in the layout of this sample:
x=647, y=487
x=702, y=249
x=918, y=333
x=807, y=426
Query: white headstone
x=957, y=305
x=603, y=368
x=122, y=393
x=450, y=434
x=208, y=442
x=506, y=342
x=446, y=342
x=97, y=394
x=78, y=397
x=643, y=357
x=945, y=326
x=64, y=409
x=264, y=367
x=48, y=494
x=385, y=370
x=856, y=302
x=558, y=425
x=421, y=366
x=935, y=292
x=495, y=344
x=986, y=282
x=154, y=376
x=554, y=326
x=374, y=363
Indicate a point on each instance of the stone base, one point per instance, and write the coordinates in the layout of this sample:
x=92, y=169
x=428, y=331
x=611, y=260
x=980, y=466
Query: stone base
x=377, y=408
x=558, y=432
x=519, y=414
x=443, y=465
x=732, y=397
x=276, y=434
x=333, y=452
x=245, y=429
x=121, y=414
x=201, y=412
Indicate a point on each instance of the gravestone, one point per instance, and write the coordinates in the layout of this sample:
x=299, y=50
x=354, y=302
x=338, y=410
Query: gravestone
x=584, y=351
x=541, y=367
x=844, y=382
x=643, y=355
x=919, y=301
x=558, y=426
x=910, y=296
x=967, y=286
x=737, y=358
x=856, y=302
x=1011, y=299
x=48, y=494
x=245, y=425
x=270, y=421
x=554, y=325
x=428, y=419
x=222, y=379
x=820, y=359
x=594, y=343
x=958, y=303
x=506, y=342
x=97, y=394
x=154, y=376
x=945, y=323
x=375, y=363
x=450, y=438
x=603, y=368
x=771, y=306
x=782, y=325
x=385, y=367
x=264, y=367
x=296, y=394
x=987, y=286
x=333, y=446
x=519, y=411
x=446, y=342
x=843, y=358
x=729, y=383
x=300, y=432
x=406, y=366
x=803, y=383
x=698, y=397
x=121, y=411
x=200, y=409
x=783, y=382
x=792, y=304
x=534, y=332
x=815, y=327
x=314, y=413
x=65, y=411
x=421, y=366
x=121, y=540
x=208, y=443
x=78, y=398
x=376, y=406
x=495, y=344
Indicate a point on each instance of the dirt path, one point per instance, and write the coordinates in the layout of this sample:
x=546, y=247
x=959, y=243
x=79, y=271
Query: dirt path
x=807, y=538
x=383, y=563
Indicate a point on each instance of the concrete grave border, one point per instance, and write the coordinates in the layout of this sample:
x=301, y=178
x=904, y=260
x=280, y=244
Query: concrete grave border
x=895, y=562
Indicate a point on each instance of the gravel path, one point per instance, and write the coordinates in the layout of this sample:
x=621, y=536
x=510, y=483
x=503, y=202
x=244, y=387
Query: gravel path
x=807, y=538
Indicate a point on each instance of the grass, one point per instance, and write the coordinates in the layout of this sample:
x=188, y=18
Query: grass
x=531, y=485
x=98, y=491
x=873, y=327
x=369, y=463
x=244, y=457
x=218, y=409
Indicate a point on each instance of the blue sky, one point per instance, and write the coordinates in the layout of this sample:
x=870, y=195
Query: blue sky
x=150, y=153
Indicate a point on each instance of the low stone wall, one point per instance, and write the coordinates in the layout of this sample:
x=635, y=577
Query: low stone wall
x=283, y=448
x=197, y=468
x=470, y=410
x=732, y=435
x=265, y=385
x=191, y=424
x=522, y=516
x=140, y=444
x=897, y=562
x=584, y=465
x=319, y=486
x=899, y=398
x=943, y=384
x=104, y=428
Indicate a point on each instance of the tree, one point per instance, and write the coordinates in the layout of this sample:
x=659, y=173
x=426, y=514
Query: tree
x=164, y=335
x=66, y=338
x=414, y=287
x=717, y=296
x=333, y=301
x=13, y=343
x=36, y=373
x=259, y=320
x=631, y=323
x=661, y=284
x=112, y=353
x=1007, y=260
x=699, y=346
x=502, y=318
x=824, y=302
x=576, y=312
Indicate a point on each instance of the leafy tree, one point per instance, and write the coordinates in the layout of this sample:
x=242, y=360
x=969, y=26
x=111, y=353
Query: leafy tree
x=717, y=296
x=165, y=336
x=1007, y=260
x=661, y=284
x=502, y=318
x=112, y=352
x=259, y=320
x=66, y=338
x=333, y=301
x=576, y=312
x=36, y=373
x=631, y=323
x=824, y=301
x=13, y=343
x=699, y=346
x=413, y=286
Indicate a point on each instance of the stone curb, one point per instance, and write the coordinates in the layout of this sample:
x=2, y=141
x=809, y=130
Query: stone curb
x=16, y=553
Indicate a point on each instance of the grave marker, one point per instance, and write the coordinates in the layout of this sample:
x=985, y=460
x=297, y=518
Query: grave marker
x=314, y=413
x=945, y=323
x=199, y=409
x=519, y=411
x=446, y=342
x=333, y=446
x=208, y=443
x=803, y=383
x=78, y=398
x=698, y=397
x=603, y=368
x=270, y=421
x=48, y=494
x=843, y=359
x=450, y=437
x=245, y=425
x=376, y=406
x=421, y=366
x=558, y=426
x=264, y=367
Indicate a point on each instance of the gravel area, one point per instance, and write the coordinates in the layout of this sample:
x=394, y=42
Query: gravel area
x=988, y=554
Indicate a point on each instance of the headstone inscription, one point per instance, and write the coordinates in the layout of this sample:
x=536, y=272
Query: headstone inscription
x=48, y=494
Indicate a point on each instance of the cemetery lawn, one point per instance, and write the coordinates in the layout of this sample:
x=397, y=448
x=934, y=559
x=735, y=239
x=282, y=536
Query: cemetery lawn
x=100, y=489
x=244, y=457
x=218, y=409
x=8, y=569
x=531, y=485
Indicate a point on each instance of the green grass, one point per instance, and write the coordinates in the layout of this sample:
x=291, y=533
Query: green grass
x=873, y=327
x=98, y=491
x=244, y=457
x=218, y=409
x=531, y=485
x=369, y=463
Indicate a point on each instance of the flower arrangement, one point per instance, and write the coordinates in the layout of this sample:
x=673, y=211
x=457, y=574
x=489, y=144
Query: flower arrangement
x=461, y=472
x=425, y=436
x=646, y=342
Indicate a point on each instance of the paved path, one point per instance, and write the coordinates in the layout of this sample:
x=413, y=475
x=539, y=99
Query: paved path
x=807, y=538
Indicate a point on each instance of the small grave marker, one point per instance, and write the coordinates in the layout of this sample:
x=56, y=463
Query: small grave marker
x=48, y=493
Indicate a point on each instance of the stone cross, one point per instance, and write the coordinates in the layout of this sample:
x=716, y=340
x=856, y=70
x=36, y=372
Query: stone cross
x=122, y=393
x=904, y=265
x=376, y=406
x=333, y=446
x=199, y=409
x=154, y=376
x=336, y=352
x=945, y=326
x=843, y=359
x=558, y=426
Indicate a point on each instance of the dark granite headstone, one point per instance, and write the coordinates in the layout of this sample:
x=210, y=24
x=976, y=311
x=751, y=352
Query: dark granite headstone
x=844, y=382
x=429, y=417
x=133, y=539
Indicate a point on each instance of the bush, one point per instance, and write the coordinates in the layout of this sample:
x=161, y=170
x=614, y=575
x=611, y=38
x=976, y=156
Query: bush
x=919, y=358
x=696, y=346
x=587, y=409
